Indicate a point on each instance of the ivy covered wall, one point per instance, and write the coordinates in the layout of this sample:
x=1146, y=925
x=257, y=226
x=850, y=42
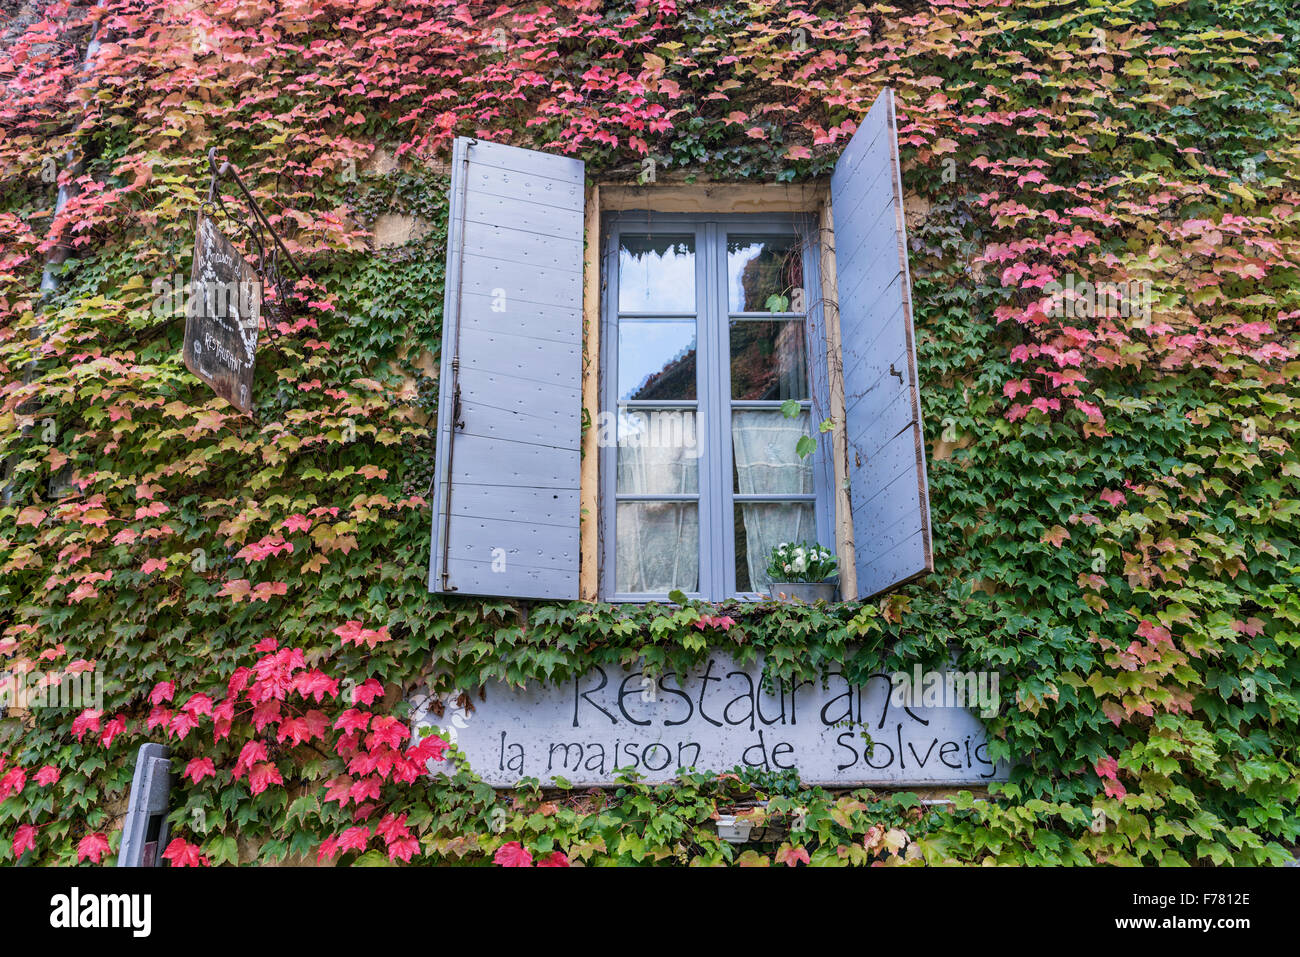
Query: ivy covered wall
x=1114, y=496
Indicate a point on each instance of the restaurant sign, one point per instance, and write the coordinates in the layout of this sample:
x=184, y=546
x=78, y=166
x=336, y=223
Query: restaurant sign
x=894, y=730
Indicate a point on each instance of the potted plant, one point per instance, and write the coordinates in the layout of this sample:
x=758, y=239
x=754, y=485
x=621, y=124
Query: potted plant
x=802, y=571
x=749, y=823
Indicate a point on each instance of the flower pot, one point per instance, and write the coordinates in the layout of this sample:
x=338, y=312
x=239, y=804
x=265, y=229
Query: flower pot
x=803, y=591
x=747, y=826
x=732, y=829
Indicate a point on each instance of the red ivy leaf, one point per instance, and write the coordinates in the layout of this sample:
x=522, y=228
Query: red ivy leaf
x=92, y=847
x=24, y=840
x=512, y=855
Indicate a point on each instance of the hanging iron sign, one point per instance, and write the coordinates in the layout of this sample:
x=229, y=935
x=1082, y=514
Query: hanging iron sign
x=221, y=322
x=227, y=293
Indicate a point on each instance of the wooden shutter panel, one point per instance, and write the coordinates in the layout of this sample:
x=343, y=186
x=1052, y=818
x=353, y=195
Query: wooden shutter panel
x=505, y=511
x=886, y=447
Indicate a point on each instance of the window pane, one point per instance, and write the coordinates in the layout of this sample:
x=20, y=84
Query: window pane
x=767, y=360
x=765, y=274
x=760, y=527
x=656, y=273
x=658, y=452
x=656, y=359
x=658, y=546
x=764, y=458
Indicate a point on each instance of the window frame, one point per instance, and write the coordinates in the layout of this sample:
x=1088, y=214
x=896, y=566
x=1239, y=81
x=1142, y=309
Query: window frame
x=716, y=497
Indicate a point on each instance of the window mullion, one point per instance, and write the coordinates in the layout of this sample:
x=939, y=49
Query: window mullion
x=725, y=551
x=607, y=457
x=705, y=376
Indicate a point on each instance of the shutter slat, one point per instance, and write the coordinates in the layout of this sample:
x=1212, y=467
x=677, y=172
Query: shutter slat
x=886, y=451
x=528, y=544
x=515, y=159
x=480, y=460
x=478, y=578
x=549, y=287
x=526, y=359
x=540, y=506
x=873, y=212
x=872, y=260
x=506, y=505
x=518, y=246
x=501, y=391
x=899, y=563
x=546, y=320
x=498, y=210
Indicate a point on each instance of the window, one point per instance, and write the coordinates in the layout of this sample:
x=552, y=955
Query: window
x=705, y=356
x=691, y=334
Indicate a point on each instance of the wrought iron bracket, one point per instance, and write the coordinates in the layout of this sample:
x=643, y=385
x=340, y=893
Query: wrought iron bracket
x=263, y=237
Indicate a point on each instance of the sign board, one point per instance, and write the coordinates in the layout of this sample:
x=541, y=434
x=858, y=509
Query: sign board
x=221, y=320
x=718, y=717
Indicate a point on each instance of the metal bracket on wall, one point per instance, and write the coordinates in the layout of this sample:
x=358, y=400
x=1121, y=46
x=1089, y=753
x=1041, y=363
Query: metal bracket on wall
x=265, y=241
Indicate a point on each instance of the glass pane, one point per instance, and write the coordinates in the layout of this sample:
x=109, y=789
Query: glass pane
x=765, y=274
x=760, y=527
x=658, y=546
x=658, y=452
x=656, y=273
x=764, y=459
x=656, y=359
x=767, y=360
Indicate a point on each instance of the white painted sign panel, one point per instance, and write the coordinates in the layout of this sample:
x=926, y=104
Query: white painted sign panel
x=715, y=718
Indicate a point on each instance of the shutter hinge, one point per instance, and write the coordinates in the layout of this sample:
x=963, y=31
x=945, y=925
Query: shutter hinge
x=895, y=372
x=456, y=421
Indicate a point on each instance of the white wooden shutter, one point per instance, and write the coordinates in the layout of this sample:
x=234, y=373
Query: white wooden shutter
x=886, y=447
x=506, y=506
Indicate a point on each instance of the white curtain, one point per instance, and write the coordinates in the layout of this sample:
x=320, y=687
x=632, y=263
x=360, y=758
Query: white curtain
x=658, y=546
x=658, y=543
x=767, y=464
x=658, y=452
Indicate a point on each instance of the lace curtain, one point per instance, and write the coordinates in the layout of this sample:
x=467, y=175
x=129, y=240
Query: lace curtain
x=767, y=464
x=658, y=543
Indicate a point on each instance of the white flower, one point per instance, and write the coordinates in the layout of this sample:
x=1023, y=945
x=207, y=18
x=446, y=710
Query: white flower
x=785, y=567
x=799, y=564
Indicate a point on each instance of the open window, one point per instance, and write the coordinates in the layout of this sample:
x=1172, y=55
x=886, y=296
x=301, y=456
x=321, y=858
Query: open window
x=713, y=342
